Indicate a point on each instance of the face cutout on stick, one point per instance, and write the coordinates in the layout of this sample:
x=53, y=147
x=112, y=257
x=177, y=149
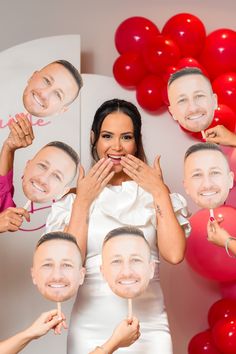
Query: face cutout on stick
x=207, y=177
x=126, y=264
x=48, y=174
x=191, y=100
x=57, y=271
x=52, y=89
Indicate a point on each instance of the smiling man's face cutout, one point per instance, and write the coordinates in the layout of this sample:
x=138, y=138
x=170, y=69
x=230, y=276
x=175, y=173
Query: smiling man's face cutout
x=192, y=102
x=207, y=178
x=57, y=271
x=126, y=265
x=50, y=91
x=48, y=174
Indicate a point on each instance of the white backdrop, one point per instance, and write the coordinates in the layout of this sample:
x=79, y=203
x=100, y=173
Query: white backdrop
x=20, y=302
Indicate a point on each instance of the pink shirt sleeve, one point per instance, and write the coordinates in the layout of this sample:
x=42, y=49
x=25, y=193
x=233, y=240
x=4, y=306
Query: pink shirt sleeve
x=6, y=191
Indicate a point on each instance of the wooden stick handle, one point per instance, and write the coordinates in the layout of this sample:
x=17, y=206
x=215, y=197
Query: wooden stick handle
x=59, y=309
x=130, y=311
x=27, y=204
x=212, y=213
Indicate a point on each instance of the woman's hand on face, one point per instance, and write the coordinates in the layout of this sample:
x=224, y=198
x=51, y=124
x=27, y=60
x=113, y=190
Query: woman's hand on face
x=89, y=186
x=149, y=178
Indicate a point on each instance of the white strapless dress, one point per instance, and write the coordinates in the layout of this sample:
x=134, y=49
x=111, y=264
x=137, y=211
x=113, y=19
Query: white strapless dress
x=97, y=310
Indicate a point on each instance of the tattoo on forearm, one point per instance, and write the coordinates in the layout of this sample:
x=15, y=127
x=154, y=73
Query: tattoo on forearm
x=158, y=210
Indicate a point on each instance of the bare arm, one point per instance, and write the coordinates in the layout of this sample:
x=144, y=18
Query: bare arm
x=219, y=236
x=171, y=238
x=40, y=327
x=125, y=334
x=88, y=188
x=21, y=135
x=220, y=135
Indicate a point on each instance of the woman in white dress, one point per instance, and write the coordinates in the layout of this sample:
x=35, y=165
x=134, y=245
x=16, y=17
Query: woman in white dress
x=120, y=189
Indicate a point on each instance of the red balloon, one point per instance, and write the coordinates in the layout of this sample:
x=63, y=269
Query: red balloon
x=232, y=162
x=204, y=257
x=164, y=96
x=160, y=53
x=224, y=335
x=129, y=69
x=225, y=88
x=219, y=53
x=188, y=32
x=188, y=62
x=168, y=72
x=165, y=76
x=231, y=201
x=194, y=135
x=191, y=62
x=202, y=343
x=133, y=33
x=223, y=308
x=149, y=93
x=228, y=290
x=223, y=115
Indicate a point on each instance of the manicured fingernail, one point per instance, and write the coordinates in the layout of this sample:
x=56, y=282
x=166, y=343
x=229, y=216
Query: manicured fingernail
x=211, y=218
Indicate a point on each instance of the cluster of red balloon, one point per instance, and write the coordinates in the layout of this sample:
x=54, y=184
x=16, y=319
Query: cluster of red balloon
x=225, y=87
x=220, y=338
x=212, y=262
x=149, y=56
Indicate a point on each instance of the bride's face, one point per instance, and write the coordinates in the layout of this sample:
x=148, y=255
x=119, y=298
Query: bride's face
x=116, y=139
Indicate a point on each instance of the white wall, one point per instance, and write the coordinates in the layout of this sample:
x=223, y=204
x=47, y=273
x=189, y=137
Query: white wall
x=97, y=20
x=188, y=296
